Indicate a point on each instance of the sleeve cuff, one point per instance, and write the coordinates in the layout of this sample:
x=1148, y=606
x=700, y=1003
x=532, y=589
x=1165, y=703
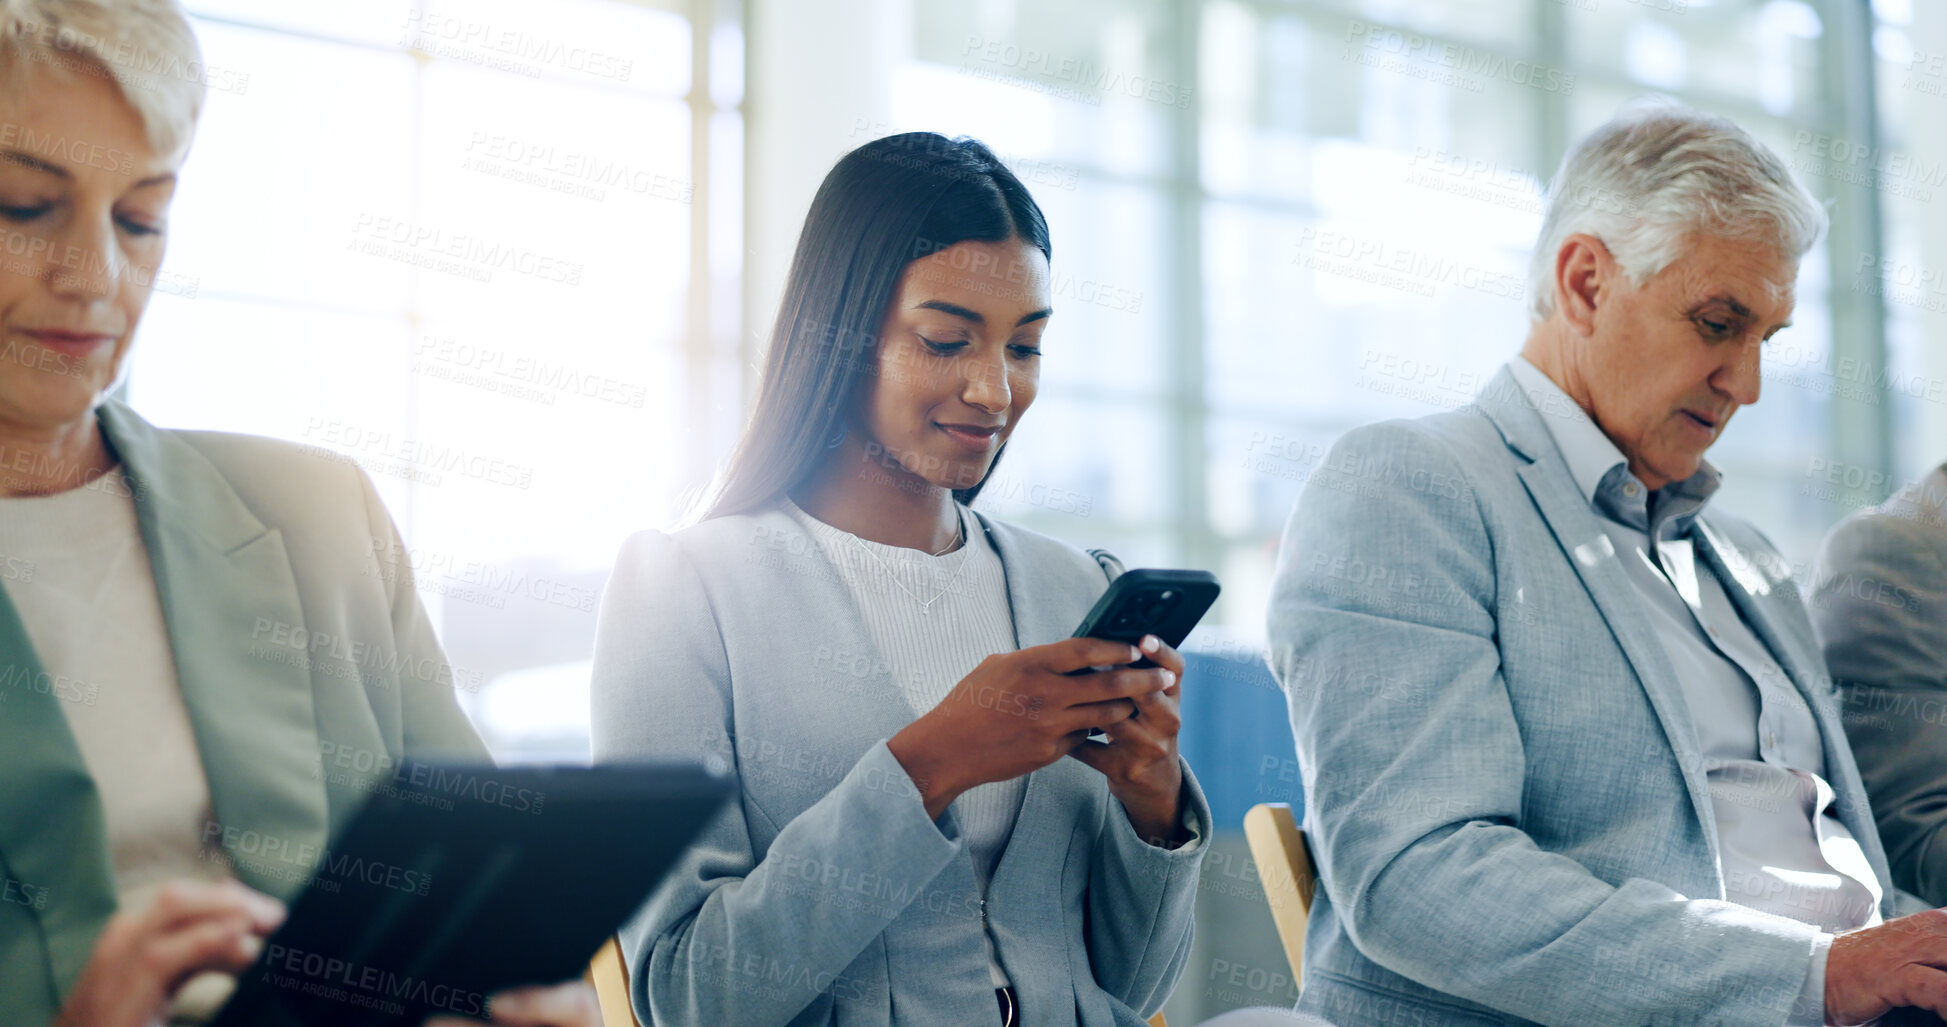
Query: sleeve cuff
x=1809, y=1010
x=1192, y=819
x=880, y=771
x=1191, y=828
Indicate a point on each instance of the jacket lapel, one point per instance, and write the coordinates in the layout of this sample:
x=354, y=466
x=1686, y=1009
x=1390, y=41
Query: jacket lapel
x=1044, y=601
x=1036, y=603
x=1756, y=583
x=1589, y=550
x=237, y=628
x=53, y=837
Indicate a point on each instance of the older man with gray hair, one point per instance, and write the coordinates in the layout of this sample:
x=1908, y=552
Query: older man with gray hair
x=1620, y=793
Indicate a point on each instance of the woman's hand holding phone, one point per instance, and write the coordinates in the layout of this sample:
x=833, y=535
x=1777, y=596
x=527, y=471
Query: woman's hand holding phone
x=1018, y=712
x=1140, y=757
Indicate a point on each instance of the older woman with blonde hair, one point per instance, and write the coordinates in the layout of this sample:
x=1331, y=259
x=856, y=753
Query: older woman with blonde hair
x=153, y=711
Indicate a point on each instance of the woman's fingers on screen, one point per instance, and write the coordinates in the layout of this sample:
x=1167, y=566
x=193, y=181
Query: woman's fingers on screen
x=1162, y=654
x=1073, y=654
x=1130, y=682
x=181, y=902
x=1159, y=711
x=215, y=945
x=1088, y=717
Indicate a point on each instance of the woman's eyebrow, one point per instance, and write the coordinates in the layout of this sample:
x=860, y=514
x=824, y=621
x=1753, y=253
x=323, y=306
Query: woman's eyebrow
x=953, y=308
x=976, y=316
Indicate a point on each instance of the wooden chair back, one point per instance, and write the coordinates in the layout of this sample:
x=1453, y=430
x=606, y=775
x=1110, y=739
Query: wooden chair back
x=1284, y=865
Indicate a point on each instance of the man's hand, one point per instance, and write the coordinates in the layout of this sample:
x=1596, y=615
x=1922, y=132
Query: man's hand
x=564, y=1005
x=1899, y=963
x=148, y=952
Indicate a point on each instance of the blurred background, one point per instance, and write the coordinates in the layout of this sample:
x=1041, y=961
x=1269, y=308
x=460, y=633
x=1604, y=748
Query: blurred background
x=519, y=261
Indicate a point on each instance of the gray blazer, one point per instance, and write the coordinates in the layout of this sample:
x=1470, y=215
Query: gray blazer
x=826, y=895
x=306, y=661
x=1879, y=600
x=1504, y=788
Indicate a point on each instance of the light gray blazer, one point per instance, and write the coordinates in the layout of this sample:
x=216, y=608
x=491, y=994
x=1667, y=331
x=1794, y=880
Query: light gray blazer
x=1879, y=600
x=1503, y=785
x=826, y=895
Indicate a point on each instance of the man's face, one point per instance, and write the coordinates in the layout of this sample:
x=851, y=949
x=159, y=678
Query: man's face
x=1667, y=363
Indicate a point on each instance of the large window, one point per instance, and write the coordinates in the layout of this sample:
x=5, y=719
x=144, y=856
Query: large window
x=488, y=251
x=495, y=254
x=1903, y=171
x=1278, y=220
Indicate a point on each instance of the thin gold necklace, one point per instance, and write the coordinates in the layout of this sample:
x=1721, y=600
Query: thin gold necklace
x=925, y=605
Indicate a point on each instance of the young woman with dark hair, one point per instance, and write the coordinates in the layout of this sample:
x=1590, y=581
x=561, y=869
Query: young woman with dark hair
x=888, y=673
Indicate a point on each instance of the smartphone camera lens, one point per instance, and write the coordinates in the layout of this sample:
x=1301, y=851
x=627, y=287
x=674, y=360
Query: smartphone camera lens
x=1157, y=609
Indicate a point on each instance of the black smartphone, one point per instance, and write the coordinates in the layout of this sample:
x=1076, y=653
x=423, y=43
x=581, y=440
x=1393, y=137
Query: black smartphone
x=1148, y=601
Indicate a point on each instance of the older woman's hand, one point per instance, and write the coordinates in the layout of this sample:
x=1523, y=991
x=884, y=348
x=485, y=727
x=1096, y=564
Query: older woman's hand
x=564, y=1005
x=148, y=952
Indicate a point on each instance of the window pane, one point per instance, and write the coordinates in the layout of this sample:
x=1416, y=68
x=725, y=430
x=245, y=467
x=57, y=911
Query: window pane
x=374, y=22
x=1109, y=286
x=243, y=365
x=1909, y=277
x=1762, y=52
x=284, y=180
x=1086, y=84
x=591, y=42
x=1106, y=458
x=466, y=270
x=1346, y=321
x=1256, y=467
x=1502, y=23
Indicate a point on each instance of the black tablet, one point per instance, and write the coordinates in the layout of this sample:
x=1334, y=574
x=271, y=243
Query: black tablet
x=455, y=881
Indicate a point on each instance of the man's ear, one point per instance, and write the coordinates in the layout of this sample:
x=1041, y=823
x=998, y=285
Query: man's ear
x=1584, y=274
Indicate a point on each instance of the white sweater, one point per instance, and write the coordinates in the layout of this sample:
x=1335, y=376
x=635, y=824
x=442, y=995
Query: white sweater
x=934, y=618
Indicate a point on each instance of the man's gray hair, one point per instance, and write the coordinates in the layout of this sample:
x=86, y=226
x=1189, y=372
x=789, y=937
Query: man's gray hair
x=1659, y=172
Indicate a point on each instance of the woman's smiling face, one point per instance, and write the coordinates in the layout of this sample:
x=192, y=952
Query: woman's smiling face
x=959, y=360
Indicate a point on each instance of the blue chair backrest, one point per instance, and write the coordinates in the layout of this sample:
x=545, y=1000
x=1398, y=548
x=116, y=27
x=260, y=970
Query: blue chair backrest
x=1237, y=732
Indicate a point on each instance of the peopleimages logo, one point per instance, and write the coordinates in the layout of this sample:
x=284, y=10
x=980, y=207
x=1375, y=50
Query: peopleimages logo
x=1101, y=80
x=1465, y=66
x=466, y=255
x=514, y=48
x=24, y=139
x=330, y=977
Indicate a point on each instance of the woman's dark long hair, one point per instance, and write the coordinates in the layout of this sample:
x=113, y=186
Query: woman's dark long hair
x=884, y=205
